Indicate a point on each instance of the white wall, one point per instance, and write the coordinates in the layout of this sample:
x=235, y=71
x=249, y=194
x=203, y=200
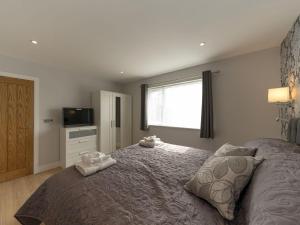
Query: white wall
x=241, y=111
x=240, y=100
x=57, y=89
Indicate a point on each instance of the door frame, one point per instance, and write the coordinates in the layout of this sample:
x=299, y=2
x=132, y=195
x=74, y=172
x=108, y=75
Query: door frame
x=36, y=119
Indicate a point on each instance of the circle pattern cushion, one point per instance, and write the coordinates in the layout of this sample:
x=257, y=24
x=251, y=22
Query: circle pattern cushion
x=221, y=180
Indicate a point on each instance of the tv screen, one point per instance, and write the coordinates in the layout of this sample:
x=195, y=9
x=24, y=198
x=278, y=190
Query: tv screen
x=78, y=116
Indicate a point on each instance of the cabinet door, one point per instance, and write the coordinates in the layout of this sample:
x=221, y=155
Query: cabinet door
x=106, y=122
x=113, y=122
x=126, y=119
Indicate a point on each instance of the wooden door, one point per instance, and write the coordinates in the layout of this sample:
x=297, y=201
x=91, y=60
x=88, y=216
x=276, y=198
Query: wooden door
x=16, y=128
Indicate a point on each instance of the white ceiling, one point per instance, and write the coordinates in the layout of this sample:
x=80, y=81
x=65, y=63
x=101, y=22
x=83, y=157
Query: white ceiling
x=140, y=37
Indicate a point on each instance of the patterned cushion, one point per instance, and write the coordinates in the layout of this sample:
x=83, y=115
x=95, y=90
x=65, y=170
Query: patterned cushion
x=231, y=150
x=221, y=179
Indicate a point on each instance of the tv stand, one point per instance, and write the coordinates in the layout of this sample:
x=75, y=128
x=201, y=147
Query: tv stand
x=74, y=140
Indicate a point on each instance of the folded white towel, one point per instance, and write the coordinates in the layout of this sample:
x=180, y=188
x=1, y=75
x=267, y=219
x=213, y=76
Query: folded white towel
x=150, y=141
x=86, y=169
x=91, y=158
x=147, y=144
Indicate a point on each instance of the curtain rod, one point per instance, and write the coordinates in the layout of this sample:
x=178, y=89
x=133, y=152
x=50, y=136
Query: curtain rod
x=180, y=79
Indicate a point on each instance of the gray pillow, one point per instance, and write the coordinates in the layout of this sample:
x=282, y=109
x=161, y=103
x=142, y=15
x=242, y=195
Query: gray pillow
x=221, y=180
x=231, y=150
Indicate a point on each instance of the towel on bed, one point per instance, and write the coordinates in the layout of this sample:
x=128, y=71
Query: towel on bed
x=86, y=169
x=150, y=142
x=91, y=158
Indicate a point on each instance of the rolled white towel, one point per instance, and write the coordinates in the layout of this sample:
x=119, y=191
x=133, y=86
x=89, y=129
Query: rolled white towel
x=147, y=144
x=158, y=142
x=87, y=170
x=150, y=141
x=152, y=138
x=91, y=158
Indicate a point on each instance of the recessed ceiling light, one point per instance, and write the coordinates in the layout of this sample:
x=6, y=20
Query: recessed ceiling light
x=34, y=42
x=121, y=72
x=202, y=44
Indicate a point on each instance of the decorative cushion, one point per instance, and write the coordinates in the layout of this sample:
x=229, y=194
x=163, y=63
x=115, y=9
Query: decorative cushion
x=221, y=180
x=231, y=150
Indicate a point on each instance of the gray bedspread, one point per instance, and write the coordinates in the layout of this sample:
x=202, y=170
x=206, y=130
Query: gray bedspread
x=145, y=187
x=273, y=195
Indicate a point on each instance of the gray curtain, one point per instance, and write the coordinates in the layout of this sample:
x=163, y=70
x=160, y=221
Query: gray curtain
x=207, y=121
x=144, y=96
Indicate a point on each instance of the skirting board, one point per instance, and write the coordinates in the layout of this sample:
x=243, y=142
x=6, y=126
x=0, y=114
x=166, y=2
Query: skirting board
x=48, y=166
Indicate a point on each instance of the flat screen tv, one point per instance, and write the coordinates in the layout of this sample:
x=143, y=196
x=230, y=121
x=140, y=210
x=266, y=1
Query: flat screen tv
x=78, y=117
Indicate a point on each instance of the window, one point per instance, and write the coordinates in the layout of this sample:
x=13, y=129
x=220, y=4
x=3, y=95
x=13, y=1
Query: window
x=176, y=105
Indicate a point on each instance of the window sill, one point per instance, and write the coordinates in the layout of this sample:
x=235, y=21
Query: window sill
x=183, y=128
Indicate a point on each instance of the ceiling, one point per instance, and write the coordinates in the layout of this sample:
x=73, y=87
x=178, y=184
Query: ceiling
x=140, y=37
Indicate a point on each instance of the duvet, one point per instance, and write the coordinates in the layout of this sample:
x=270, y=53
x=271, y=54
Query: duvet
x=145, y=187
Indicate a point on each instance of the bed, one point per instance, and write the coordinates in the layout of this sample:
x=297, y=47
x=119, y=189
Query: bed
x=145, y=187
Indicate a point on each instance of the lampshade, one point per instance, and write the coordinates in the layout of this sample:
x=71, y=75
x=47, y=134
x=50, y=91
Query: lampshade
x=279, y=95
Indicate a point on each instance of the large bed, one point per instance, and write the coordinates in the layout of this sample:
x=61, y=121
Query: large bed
x=145, y=187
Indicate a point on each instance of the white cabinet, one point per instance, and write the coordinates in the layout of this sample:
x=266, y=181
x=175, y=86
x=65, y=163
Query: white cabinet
x=113, y=117
x=75, y=140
